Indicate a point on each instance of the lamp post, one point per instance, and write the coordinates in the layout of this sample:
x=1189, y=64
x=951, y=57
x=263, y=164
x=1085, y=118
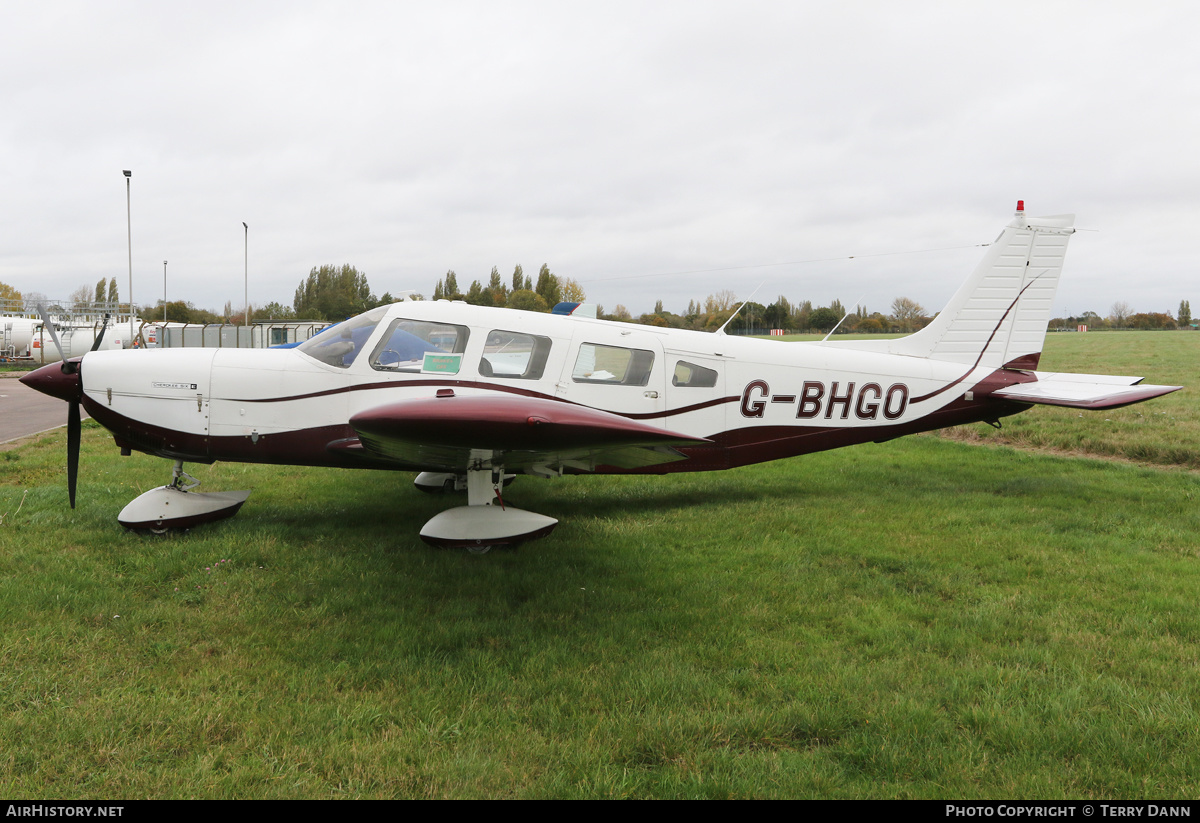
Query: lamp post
x=246, y=285
x=129, y=234
x=164, y=291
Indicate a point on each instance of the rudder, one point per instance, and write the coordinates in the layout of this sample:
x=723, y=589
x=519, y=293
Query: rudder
x=999, y=316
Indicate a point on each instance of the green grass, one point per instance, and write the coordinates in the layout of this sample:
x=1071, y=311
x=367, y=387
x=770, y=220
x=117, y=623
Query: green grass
x=923, y=618
x=917, y=619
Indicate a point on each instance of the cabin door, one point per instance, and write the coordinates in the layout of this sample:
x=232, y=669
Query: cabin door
x=623, y=372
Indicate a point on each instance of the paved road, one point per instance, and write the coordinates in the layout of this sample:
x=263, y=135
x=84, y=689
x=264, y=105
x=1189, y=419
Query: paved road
x=24, y=411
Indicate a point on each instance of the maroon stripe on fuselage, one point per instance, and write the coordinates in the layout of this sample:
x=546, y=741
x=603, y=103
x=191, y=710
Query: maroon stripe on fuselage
x=983, y=351
x=471, y=384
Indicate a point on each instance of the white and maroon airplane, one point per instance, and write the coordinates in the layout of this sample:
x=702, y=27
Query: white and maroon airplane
x=470, y=396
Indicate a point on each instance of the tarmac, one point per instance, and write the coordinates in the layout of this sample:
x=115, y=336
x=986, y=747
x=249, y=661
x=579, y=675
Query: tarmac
x=25, y=412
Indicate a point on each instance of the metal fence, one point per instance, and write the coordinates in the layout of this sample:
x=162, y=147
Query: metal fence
x=228, y=336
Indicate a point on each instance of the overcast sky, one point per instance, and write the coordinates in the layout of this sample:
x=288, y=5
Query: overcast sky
x=627, y=145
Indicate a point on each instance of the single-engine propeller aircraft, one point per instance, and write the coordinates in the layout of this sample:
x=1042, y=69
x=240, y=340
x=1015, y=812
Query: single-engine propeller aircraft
x=471, y=396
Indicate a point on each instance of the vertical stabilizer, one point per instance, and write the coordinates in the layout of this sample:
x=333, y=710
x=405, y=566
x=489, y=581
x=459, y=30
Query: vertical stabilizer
x=999, y=316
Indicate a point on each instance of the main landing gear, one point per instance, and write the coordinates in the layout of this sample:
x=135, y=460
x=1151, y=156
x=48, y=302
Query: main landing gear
x=176, y=506
x=485, y=521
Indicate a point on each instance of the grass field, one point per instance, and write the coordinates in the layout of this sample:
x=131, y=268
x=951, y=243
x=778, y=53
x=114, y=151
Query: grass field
x=923, y=618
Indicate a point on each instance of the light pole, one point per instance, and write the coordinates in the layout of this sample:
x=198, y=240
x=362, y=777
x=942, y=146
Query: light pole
x=129, y=233
x=164, y=291
x=246, y=285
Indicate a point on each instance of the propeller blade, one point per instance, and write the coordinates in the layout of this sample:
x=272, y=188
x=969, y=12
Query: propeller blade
x=100, y=336
x=73, y=433
x=48, y=325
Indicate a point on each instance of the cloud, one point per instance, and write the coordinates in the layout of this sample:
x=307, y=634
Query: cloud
x=628, y=139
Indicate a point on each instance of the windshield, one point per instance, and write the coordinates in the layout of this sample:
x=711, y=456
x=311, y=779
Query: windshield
x=340, y=344
x=420, y=346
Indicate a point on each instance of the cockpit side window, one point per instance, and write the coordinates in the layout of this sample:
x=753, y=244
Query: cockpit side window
x=514, y=355
x=341, y=343
x=421, y=346
x=689, y=375
x=612, y=365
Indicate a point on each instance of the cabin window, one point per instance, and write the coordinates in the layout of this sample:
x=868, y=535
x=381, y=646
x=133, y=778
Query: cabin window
x=690, y=376
x=420, y=346
x=612, y=365
x=514, y=355
x=340, y=344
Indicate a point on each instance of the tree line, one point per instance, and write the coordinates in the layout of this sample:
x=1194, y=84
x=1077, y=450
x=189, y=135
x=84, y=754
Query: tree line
x=331, y=293
x=1122, y=316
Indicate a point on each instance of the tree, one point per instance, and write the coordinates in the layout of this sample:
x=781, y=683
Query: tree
x=271, y=311
x=9, y=295
x=1185, y=313
x=547, y=286
x=179, y=311
x=723, y=300
x=497, y=289
x=100, y=290
x=332, y=293
x=447, y=288
x=778, y=313
x=527, y=300
x=907, y=314
x=1151, y=320
x=82, y=295
x=476, y=296
x=33, y=299
x=801, y=314
x=571, y=291
x=1119, y=314
x=824, y=318
x=113, y=295
x=518, y=280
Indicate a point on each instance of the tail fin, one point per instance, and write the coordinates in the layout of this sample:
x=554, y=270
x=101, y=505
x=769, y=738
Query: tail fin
x=999, y=316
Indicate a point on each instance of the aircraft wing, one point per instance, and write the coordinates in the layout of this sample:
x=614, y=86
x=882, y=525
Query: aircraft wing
x=1083, y=391
x=452, y=433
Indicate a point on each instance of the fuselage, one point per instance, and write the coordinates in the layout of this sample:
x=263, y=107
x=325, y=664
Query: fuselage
x=752, y=399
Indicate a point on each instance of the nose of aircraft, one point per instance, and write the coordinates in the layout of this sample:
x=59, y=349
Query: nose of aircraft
x=52, y=380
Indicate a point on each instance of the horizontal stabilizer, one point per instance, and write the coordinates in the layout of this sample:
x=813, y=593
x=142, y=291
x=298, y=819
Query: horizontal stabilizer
x=1083, y=391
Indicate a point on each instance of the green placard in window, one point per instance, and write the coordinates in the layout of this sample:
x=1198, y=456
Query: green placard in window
x=442, y=363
